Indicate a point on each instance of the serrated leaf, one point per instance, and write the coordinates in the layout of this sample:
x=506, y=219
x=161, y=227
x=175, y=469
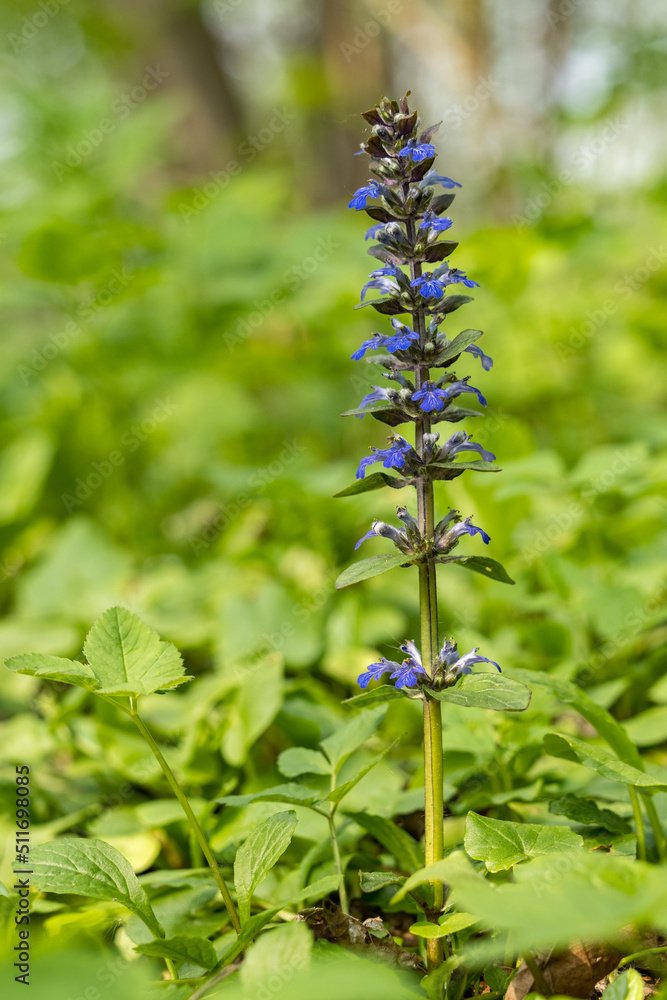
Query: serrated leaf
x=602, y=761
x=487, y=690
x=300, y=760
x=489, y=568
x=407, y=851
x=182, y=948
x=501, y=844
x=291, y=793
x=375, y=481
x=54, y=668
x=128, y=657
x=451, y=924
x=372, y=881
x=258, y=854
x=348, y=737
x=588, y=813
x=339, y=793
x=385, y=692
x=91, y=868
x=365, y=569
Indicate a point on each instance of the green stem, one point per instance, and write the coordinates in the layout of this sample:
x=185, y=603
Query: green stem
x=342, y=891
x=639, y=823
x=171, y=968
x=187, y=809
x=656, y=825
x=642, y=954
x=537, y=974
x=428, y=609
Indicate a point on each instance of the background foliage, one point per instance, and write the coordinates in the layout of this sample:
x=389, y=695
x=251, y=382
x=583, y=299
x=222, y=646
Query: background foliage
x=179, y=275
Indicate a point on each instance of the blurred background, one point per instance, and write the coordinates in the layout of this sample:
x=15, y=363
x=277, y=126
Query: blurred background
x=179, y=271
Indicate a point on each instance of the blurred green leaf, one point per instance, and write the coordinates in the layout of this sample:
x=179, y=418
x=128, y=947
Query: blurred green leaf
x=367, y=568
x=182, y=948
x=348, y=737
x=600, y=760
x=300, y=760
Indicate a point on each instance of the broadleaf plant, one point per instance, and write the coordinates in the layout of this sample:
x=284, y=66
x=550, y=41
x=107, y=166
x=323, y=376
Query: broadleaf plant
x=417, y=358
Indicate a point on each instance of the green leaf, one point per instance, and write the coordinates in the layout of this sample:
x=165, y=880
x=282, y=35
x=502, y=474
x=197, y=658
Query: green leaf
x=501, y=844
x=570, y=694
x=284, y=948
x=373, y=482
x=600, y=760
x=451, y=924
x=588, y=813
x=128, y=657
x=489, y=568
x=182, y=948
x=301, y=760
x=292, y=793
x=366, y=568
x=459, y=343
x=54, y=668
x=372, y=881
x=258, y=854
x=344, y=740
x=91, y=868
x=648, y=728
x=452, y=302
x=439, y=251
x=339, y=793
x=384, y=692
x=438, y=872
x=487, y=690
x=407, y=851
x=361, y=411
x=477, y=466
x=628, y=986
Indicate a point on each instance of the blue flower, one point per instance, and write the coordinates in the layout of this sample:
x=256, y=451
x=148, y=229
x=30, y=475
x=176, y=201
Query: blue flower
x=428, y=286
x=466, y=527
x=450, y=660
x=454, y=276
x=460, y=441
x=406, y=673
x=379, y=395
x=360, y=196
x=432, y=177
x=376, y=671
x=402, y=338
x=434, y=222
x=380, y=529
x=371, y=233
x=392, y=457
x=487, y=362
x=418, y=152
x=368, y=345
x=460, y=386
x=383, y=284
x=430, y=397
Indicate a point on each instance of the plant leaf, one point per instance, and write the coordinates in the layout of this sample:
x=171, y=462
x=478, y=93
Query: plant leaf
x=588, y=813
x=345, y=740
x=91, y=868
x=258, y=854
x=570, y=694
x=478, y=465
x=54, y=668
x=628, y=986
x=489, y=568
x=372, y=881
x=459, y=343
x=452, y=302
x=367, y=568
x=291, y=793
x=439, y=251
x=487, y=690
x=384, y=692
x=602, y=761
x=182, y=948
x=501, y=844
x=128, y=657
x=300, y=760
x=451, y=924
x=361, y=411
x=373, y=482
x=407, y=851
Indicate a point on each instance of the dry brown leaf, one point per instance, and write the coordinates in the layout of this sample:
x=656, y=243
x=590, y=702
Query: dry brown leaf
x=572, y=973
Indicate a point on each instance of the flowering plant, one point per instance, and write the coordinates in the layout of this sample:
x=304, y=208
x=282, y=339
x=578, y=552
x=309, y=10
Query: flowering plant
x=404, y=202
